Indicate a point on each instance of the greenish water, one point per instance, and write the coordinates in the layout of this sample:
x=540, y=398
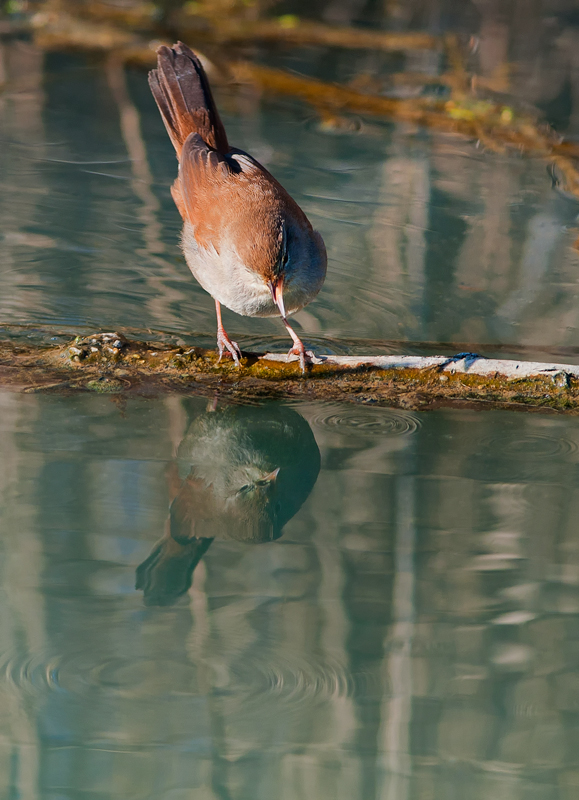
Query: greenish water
x=428, y=238
x=413, y=631
x=394, y=615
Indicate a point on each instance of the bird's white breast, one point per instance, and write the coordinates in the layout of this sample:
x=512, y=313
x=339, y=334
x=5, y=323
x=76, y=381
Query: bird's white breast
x=229, y=281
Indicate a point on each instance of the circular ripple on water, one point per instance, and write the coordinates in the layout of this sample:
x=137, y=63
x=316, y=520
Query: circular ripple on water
x=289, y=681
x=534, y=446
x=77, y=675
x=30, y=674
x=356, y=421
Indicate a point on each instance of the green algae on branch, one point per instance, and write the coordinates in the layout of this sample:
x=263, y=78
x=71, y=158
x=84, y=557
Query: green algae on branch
x=114, y=364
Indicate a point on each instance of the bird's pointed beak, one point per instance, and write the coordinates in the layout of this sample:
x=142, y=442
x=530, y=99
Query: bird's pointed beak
x=271, y=477
x=276, y=289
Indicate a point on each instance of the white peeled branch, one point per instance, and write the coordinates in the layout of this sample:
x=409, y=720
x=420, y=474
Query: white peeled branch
x=471, y=363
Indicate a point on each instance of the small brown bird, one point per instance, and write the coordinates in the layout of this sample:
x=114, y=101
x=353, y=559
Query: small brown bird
x=245, y=239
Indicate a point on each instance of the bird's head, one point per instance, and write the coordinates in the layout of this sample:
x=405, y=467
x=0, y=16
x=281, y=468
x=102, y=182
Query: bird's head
x=253, y=505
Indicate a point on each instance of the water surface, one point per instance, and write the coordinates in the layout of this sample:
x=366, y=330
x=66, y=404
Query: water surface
x=289, y=601
x=429, y=238
x=410, y=632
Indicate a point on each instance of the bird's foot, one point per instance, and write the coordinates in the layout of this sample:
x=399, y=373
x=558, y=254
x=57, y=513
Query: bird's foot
x=225, y=343
x=305, y=356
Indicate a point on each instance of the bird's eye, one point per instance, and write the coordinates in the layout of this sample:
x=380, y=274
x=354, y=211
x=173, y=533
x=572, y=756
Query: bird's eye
x=244, y=488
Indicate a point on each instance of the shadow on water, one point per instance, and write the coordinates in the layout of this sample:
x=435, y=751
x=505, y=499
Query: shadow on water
x=247, y=472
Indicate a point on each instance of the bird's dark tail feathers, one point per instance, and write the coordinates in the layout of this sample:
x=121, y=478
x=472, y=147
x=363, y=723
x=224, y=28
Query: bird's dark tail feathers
x=181, y=90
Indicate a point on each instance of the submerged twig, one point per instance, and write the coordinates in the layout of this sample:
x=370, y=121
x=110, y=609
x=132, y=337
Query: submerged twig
x=292, y=31
x=142, y=185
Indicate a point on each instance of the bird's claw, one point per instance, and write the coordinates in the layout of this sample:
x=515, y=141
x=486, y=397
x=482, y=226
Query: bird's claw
x=225, y=343
x=306, y=357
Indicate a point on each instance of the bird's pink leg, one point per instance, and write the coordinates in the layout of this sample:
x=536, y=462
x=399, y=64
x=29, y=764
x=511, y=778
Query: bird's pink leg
x=223, y=340
x=298, y=349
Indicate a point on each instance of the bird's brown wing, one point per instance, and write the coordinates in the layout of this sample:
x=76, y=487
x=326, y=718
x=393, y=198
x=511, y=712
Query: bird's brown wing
x=233, y=201
x=203, y=172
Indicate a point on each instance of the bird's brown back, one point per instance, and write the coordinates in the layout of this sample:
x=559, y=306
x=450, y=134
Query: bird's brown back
x=255, y=202
x=212, y=176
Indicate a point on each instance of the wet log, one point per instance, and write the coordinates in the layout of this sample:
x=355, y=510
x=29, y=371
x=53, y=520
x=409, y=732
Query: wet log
x=113, y=364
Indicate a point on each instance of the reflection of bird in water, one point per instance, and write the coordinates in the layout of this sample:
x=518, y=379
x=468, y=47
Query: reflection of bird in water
x=246, y=471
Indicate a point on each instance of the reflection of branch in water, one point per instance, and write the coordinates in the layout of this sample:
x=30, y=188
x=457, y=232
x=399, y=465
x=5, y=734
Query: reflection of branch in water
x=398, y=233
x=24, y=624
x=249, y=472
x=2, y=67
x=332, y=598
x=397, y=708
x=293, y=31
x=142, y=180
x=545, y=235
x=21, y=121
x=494, y=124
x=232, y=22
x=25, y=614
x=133, y=15
x=132, y=137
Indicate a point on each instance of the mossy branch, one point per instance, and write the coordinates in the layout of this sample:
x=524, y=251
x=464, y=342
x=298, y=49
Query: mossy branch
x=112, y=363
